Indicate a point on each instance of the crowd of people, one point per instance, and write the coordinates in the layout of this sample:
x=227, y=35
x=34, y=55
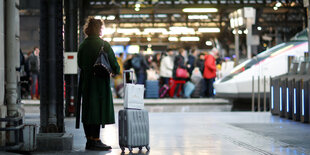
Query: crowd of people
x=200, y=70
x=177, y=71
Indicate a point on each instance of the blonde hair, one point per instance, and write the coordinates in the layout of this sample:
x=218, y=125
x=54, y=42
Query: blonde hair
x=92, y=26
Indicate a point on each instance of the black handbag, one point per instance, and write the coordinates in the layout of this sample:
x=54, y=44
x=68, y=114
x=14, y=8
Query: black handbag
x=102, y=67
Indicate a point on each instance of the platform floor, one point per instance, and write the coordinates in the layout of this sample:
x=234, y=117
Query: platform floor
x=204, y=133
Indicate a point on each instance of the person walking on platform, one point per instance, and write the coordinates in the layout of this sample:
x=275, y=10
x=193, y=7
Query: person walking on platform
x=140, y=66
x=209, y=73
x=97, y=101
x=34, y=70
x=166, y=67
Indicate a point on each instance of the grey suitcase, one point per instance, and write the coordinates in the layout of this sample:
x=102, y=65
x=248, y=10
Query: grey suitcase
x=133, y=128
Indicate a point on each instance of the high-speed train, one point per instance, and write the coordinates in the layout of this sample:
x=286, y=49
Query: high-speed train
x=270, y=63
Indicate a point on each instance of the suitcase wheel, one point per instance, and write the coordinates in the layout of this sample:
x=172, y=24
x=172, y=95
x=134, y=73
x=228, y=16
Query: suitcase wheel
x=148, y=148
x=123, y=149
x=130, y=148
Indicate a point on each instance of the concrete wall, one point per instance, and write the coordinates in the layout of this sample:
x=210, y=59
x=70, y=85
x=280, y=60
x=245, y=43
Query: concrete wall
x=29, y=32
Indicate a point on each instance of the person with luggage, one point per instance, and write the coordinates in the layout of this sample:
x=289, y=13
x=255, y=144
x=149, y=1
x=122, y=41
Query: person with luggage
x=209, y=73
x=140, y=66
x=179, y=78
x=166, y=67
x=97, y=98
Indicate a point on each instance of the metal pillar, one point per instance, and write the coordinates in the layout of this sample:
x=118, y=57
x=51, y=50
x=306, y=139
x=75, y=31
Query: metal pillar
x=3, y=110
x=308, y=26
x=249, y=38
x=82, y=4
x=11, y=55
x=2, y=73
x=237, y=46
x=71, y=38
x=51, y=67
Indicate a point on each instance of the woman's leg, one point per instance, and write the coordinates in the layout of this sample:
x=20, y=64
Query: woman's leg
x=95, y=131
x=34, y=78
x=87, y=131
x=92, y=132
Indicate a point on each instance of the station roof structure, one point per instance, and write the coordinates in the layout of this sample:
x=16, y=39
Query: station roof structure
x=164, y=21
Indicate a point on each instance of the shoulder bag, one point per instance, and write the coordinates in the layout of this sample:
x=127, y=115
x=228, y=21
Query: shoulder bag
x=102, y=67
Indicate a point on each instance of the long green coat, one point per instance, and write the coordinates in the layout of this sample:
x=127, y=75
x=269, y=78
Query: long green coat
x=97, y=102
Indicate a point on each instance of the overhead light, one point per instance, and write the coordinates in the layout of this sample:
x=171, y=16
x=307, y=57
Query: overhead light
x=209, y=43
x=155, y=30
x=149, y=38
x=259, y=28
x=125, y=39
x=110, y=17
x=177, y=28
x=161, y=15
x=198, y=17
x=239, y=31
x=137, y=9
x=128, y=31
x=189, y=38
x=275, y=8
x=137, y=5
x=105, y=31
x=173, y=39
x=181, y=30
x=210, y=10
x=246, y=31
x=278, y=4
x=232, y=23
x=209, y=30
x=98, y=17
x=240, y=21
x=107, y=39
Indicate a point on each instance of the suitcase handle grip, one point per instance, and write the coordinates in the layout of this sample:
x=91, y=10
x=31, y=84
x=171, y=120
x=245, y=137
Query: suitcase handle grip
x=124, y=76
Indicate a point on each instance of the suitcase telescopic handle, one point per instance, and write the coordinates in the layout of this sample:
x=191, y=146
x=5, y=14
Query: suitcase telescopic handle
x=124, y=76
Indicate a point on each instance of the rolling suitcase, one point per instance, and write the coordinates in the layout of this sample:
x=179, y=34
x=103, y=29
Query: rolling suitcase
x=133, y=129
x=189, y=88
x=152, y=89
x=197, y=91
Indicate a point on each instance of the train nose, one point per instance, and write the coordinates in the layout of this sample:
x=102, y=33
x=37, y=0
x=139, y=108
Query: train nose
x=226, y=87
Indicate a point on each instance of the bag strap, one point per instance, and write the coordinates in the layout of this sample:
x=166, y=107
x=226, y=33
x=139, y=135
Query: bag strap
x=102, y=47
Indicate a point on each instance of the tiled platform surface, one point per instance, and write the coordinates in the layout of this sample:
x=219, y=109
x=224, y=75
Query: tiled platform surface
x=205, y=133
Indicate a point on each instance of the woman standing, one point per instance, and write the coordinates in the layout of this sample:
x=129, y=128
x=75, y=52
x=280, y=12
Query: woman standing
x=97, y=100
x=179, y=62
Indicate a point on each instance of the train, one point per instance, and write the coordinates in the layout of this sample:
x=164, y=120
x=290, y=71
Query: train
x=253, y=72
